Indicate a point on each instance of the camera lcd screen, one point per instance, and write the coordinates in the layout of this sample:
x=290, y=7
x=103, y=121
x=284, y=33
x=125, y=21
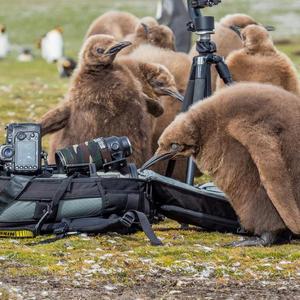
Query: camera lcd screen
x=26, y=153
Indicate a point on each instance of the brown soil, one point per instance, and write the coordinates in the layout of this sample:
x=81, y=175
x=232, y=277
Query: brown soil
x=160, y=287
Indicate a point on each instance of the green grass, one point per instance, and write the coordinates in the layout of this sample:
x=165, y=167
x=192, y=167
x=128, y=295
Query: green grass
x=123, y=259
x=29, y=90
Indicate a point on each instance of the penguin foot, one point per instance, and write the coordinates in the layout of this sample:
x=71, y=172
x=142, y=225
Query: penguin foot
x=265, y=240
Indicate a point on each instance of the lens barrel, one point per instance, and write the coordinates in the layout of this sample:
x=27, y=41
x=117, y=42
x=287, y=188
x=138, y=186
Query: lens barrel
x=99, y=151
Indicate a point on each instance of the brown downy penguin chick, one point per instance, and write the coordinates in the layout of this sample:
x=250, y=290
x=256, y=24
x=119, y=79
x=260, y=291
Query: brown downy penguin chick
x=156, y=79
x=260, y=61
x=115, y=23
x=158, y=35
x=104, y=99
x=179, y=64
x=227, y=37
x=247, y=138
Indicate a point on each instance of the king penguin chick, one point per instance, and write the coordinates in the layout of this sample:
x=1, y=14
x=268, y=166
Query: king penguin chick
x=4, y=42
x=66, y=66
x=263, y=62
x=52, y=45
x=246, y=137
x=157, y=35
x=25, y=55
x=115, y=23
x=104, y=99
x=156, y=80
x=179, y=64
x=227, y=37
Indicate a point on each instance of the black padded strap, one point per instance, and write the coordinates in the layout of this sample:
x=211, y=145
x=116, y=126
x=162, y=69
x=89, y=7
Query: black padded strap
x=133, y=201
x=13, y=190
x=147, y=228
x=131, y=216
x=58, y=195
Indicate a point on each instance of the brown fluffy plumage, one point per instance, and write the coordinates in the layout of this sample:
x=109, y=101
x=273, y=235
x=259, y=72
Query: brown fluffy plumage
x=260, y=61
x=104, y=99
x=247, y=137
x=156, y=79
x=115, y=23
x=125, y=26
x=157, y=35
x=179, y=65
x=226, y=39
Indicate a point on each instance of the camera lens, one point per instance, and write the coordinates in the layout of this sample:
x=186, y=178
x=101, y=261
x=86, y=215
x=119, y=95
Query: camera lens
x=7, y=152
x=21, y=136
x=100, y=151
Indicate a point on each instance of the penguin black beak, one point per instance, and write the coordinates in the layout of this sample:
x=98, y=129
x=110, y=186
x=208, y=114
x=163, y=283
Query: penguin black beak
x=156, y=158
x=175, y=149
x=270, y=28
x=146, y=28
x=172, y=93
x=236, y=29
x=118, y=47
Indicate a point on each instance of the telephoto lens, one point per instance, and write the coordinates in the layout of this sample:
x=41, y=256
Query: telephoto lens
x=102, y=152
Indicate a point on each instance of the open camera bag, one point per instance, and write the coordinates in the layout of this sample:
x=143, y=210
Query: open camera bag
x=31, y=206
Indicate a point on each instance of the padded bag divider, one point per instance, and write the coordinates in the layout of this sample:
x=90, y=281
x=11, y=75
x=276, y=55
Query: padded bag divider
x=191, y=205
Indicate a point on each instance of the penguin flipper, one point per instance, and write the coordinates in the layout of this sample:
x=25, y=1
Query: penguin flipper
x=55, y=119
x=264, y=148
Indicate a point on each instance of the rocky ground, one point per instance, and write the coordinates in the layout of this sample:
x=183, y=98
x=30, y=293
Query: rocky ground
x=159, y=287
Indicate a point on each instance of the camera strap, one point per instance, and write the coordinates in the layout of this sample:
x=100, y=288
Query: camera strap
x=16, y=185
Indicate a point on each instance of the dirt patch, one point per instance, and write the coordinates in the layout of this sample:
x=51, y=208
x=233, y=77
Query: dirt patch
x=159, y=287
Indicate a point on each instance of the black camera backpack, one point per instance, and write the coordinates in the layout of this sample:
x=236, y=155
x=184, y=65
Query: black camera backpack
x=31, y=206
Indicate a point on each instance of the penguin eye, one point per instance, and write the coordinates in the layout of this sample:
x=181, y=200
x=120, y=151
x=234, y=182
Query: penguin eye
x=159, y=83
x=100, y=50
x=175, y=147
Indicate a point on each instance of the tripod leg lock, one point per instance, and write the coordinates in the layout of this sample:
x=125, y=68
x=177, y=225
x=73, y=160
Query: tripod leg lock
x=223, y=69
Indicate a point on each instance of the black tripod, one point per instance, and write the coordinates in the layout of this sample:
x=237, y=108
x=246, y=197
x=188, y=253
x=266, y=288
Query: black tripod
x=199, y=86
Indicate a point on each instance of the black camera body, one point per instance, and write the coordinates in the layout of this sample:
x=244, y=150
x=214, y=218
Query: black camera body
x=22, y=153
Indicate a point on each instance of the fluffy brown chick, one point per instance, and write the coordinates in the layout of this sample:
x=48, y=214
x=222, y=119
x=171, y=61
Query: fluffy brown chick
x=247, y=138
x=115, y=23
x=179, y=64
x=104, y=99
x=227, y=37
x=260, y=61
x=157, y=35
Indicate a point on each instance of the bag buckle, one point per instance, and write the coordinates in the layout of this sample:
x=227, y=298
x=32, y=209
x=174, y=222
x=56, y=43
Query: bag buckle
x=37, y=228
x=62, y=229
x=128, y=219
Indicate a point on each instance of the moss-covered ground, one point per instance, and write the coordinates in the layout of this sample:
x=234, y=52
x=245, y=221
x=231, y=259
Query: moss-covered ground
x=29, y=90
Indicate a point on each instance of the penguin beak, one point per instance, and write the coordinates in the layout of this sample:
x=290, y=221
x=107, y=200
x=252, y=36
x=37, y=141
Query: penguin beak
x=172, y=93
x=117, y=48
x=270, y=28
x=146, y=28
x=156, y=158
x=236, y=29
x=161, y=155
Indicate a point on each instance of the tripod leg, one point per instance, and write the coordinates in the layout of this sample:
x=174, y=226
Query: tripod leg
x=190, y=172
x=223, y=70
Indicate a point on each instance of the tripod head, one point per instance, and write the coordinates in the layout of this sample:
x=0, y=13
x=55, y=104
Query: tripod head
x=201, y=24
